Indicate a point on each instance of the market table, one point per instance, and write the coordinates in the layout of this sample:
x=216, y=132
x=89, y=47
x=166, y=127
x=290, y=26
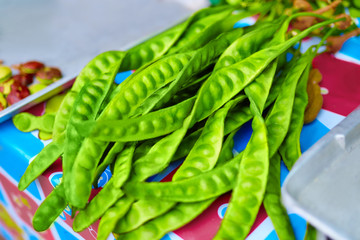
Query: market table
x=341, y=93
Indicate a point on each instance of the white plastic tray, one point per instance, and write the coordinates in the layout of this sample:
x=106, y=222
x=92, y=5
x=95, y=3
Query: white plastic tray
x=324, y=185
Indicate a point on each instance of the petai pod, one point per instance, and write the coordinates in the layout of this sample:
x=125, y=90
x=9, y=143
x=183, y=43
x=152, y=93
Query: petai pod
x=140, y=212
x=86, y=106
x=158, y=227
x=135, y=89
x=204, y=154
x=278, y=118
x=272, y=202
x=27, y=122
x=112, y=216
x=290, y=148
x=151, y=125
x=110, y=193
x=249, y=186
x=197, y=188
x=97, y=206
x=50, y=209
x=224, y=84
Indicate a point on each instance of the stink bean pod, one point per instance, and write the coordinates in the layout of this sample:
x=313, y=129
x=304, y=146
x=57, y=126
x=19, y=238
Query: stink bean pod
x=27, y=122
x=112, y=216
x=50, y=209
x=179, y=216
x=247, y=44
x=259, y=89
x=122, y=165
x=278, y=118
x=140, y=212
x=197, y=188
x=290, y=148
x=160, y=155
x=86, y=107
x=204, y=155
x=97, y=206
x=217, y=25
x=272, y=202
x=160, y=44
x=227, y=82
x=250, y=186
x=111, y=192
x=311, y=233
x=227, y=149
x=202, y=59
x=41, y=162
x=134, y=91
x=110, y=157
x=197, y=27
x=148, y=126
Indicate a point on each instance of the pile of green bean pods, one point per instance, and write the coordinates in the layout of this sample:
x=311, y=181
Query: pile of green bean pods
x=194, y=87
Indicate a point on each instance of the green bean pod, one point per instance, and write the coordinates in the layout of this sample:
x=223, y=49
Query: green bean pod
x=97, y=206
x=112, y=216
x=272, y=202
x=198, y=27
x=179, y=216
x=109, y=194
x=160, y=44
x=248, y=44
x=250, y=186
x=236, y=118
x=148, y=126
x=140, y=212
x=194, y=189
x=160, y=155
x=224, y=84
x=204, y=155
x=122, y=167
x=27, y=122
x=86, y=107
x=187, y=144
x=50, y=209
x=108, y=159
x=40, y=163
x=201, y=60
x=227, y=150
x=278, y=118
x=135, y=90
x=144, y=147
x=259, y=89
x=290, y=148
x=217, y=25
x=189, y=165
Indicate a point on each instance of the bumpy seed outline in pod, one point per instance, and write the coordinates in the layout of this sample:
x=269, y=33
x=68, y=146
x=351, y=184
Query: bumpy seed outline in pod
x=210, y=137
x=199, y=162
x=149, y=82
x=82, y=110
x=122, y=107
x=254, y=167
x=140, y=89
x=216, y=89
x=251, y=184
x=102, y=63
x=159, y=122
x=146, y=53
x=205, y=149
x=167, y=69
x=146, y=126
